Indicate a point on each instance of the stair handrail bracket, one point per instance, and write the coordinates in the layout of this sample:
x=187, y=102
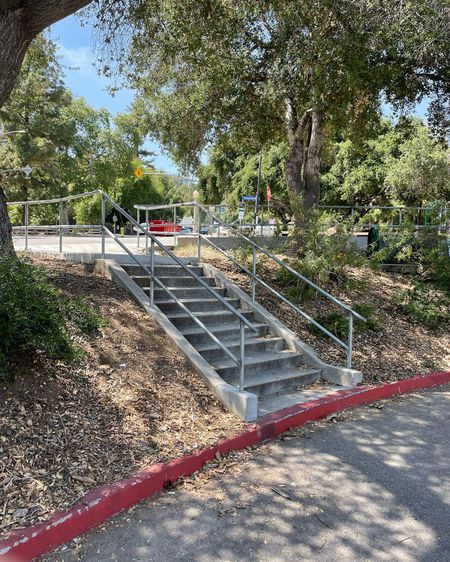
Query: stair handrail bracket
x=351, y=314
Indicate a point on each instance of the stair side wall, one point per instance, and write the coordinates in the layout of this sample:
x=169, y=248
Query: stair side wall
x=332, y=373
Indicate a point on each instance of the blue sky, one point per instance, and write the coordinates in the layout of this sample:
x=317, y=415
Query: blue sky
x=76, y=50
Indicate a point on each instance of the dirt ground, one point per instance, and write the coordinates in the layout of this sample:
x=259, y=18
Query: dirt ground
x=131, y=402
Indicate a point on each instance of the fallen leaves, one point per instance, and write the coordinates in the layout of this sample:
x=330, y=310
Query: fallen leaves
x=131, y=402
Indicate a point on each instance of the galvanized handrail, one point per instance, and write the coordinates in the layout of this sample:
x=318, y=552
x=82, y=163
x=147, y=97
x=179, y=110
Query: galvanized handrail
x=290, y=269
x=243, y=321
x=276, y=293
x=181, y=263
x=255, y=279
x=153, y=277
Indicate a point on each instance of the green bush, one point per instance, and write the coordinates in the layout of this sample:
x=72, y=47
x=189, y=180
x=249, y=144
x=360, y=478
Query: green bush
x=35, y=316
x=323, y=257
x=428, y=248
x=337, y=322
x=425, y=305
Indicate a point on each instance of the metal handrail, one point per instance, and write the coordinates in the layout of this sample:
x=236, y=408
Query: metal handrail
x=58, y=200
x=277, y=294
x=173, y=296
x=181, y=263
x=255, y=279
x=290, y=269
x=243, y=321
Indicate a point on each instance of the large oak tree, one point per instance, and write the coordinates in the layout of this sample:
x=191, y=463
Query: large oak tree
x=264, y=71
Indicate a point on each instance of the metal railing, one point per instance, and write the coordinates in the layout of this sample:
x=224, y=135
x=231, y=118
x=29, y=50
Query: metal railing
x=256, y=280
x=243, y=321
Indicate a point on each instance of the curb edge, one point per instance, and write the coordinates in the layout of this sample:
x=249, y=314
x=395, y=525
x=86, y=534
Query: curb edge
x=104, y=502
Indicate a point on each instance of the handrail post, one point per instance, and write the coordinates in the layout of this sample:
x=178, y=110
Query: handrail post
x=254, y=276
x=199, y=247
x=175, y=226
x=103, y=225
x=138, y=233
x=61, y=220
x=146, y=228
x=242, y=357
x=350, y=340
x=152, y=271
x=26, y=225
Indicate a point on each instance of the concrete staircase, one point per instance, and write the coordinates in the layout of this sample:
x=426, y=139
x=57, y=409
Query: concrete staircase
x=271, y=366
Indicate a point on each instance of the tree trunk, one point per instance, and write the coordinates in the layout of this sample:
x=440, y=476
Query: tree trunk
x=20, y=22
x=5, y=225
x=294, y=178
x=311, y=171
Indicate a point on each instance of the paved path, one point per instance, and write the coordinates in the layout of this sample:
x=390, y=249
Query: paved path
x=376, y=487
x=84, y=244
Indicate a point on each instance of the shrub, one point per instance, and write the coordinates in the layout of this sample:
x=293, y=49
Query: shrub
x=337, y=322
x=35, y=316
x=428, y=248
x=425, y=305
x=323, y=258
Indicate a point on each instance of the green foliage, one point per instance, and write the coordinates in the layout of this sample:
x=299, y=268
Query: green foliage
x=425, y=305
x=35, y=317
x=398, y=164
x=325, y=257
x=427, y=248
x=337, y=322
x=72, y=147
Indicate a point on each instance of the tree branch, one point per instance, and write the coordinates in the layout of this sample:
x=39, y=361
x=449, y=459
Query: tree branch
x=42, y=13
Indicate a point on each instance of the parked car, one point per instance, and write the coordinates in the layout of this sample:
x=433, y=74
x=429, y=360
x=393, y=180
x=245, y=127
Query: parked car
x=185, y=230
x=160, y=227
x=204, y=230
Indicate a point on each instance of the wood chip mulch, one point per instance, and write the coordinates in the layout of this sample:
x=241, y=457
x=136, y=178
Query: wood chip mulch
x=400, y=349
x=131, y=402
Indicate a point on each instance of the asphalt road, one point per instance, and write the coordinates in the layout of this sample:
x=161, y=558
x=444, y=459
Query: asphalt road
x=376, y=487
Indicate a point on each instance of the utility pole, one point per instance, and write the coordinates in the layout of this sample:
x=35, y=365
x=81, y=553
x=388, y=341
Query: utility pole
x=258, y=187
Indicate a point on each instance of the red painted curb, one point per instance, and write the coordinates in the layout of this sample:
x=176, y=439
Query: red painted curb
x=104, y=502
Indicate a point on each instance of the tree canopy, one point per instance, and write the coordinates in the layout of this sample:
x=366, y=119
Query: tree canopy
x=261, y=72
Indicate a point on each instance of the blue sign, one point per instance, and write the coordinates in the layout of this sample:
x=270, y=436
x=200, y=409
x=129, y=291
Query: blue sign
x=249, y=198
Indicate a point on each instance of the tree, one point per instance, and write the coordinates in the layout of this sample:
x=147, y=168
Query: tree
x=37, y=107
x=401, y=164
x=20, y=22
x=421, y=173
x=269, y=71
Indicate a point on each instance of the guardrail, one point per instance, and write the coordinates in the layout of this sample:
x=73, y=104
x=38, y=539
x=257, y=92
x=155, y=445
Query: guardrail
x=243, y=321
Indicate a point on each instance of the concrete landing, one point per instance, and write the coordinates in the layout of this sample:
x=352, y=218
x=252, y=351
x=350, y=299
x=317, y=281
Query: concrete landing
x=274, y=402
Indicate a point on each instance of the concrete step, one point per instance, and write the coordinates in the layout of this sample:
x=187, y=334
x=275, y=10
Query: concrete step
x=188, y=292
x=196, y=305
x=164, y=270
x=225, y=332
x=276, y=381
x=259, y=362
x=179, y=319
x=184, y=282
x=211, y=351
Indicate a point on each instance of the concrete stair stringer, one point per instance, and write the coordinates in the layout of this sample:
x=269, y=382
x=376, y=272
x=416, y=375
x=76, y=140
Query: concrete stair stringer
x=244, y=404
x=332, y=373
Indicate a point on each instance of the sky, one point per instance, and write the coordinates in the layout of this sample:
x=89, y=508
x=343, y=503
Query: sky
x=76, y=50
